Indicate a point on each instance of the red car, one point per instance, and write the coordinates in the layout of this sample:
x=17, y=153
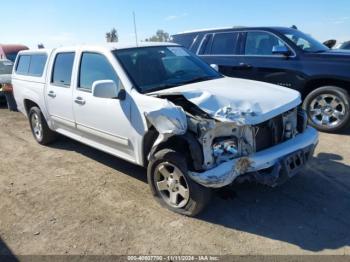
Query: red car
x=10, y=51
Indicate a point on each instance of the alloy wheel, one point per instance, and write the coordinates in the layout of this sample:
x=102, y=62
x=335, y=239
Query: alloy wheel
x=172, y=185
x=37, y=126
x=327, y=110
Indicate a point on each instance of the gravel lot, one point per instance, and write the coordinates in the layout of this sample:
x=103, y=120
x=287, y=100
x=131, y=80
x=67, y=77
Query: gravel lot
x=71, y=199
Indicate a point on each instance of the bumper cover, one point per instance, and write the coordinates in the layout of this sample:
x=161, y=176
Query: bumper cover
x=275, y=157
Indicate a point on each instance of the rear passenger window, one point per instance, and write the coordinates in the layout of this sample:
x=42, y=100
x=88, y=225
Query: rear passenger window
x=94, y=67
x=32, y=65
x=206, y=45
x=224, y=44
x=23, y=65
x=62, y=69
x=37, y=65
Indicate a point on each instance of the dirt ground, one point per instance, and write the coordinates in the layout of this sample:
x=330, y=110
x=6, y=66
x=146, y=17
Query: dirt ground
x=72, y=199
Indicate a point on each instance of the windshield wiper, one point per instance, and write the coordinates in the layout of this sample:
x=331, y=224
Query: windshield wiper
x=165, y=86
x=198, y=79
x=161, y=87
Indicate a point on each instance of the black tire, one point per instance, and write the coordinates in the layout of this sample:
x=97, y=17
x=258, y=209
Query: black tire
x=343, y=97
x=199, y=196
x=47, y=136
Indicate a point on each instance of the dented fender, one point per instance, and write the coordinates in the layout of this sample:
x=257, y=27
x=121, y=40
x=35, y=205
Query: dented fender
x=169, y=120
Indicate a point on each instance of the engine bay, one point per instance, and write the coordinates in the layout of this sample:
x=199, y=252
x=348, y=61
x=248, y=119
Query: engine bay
x=225, y=141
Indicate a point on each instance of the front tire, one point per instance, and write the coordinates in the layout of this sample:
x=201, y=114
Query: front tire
x=41, y=131
x=172, y=187
x=328, y=108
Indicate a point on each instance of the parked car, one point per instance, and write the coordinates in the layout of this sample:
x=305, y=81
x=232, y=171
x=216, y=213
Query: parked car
x=282, y=56
x=159, y=106
x=10, y=51
x=345, y=45
x=6, y=91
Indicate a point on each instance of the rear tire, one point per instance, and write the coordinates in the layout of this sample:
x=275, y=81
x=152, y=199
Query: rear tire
x=40, y=130
x=172, y=187
x=328, y=108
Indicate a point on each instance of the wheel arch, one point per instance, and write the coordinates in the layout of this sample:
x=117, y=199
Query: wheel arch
x=185, y=144
x=28, y=104
x=313, y=84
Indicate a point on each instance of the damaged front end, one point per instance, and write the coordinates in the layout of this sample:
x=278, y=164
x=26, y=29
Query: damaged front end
x=232, y=150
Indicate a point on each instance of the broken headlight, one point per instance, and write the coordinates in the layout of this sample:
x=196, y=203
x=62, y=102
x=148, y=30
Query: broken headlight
x=225, y=149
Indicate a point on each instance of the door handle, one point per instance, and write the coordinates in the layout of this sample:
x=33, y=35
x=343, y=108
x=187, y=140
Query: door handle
x=79, y=100
x=51, y=94
x=245, y=66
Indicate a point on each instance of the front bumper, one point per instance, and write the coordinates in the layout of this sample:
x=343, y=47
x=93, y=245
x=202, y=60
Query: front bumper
x=274, y=157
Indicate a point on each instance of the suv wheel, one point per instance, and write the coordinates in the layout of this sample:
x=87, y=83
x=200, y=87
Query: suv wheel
x=171, y=186
x=328, y=108
x=41, y=131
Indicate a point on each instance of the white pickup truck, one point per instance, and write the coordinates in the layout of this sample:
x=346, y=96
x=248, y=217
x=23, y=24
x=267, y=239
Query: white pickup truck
x=159, y=106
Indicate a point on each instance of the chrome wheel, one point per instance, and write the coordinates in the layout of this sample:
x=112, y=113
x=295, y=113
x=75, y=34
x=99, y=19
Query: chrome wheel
x=327, y=110
x=37, y=126
x=172, y=185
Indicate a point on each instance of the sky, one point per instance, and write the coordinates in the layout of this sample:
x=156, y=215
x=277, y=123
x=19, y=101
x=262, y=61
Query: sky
x=69, y=22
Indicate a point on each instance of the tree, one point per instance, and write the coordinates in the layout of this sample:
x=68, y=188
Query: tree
x=160, y=36
x=112, y=36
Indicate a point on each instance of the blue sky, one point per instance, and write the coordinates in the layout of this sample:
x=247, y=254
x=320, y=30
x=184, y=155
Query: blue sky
x=66, y=22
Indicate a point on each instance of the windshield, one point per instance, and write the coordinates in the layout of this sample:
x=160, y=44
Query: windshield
x=156, y=68
x=304, y=42
x=6, y=67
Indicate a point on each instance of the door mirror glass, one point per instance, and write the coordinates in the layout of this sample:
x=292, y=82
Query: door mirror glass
x=106, y=89
x=280, y=50
x=215, y=67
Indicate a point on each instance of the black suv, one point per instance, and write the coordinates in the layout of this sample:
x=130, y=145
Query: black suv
x=282, y=56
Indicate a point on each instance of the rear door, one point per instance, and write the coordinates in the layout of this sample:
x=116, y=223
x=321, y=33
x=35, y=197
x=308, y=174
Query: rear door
x=223, y=50
x=59, y=91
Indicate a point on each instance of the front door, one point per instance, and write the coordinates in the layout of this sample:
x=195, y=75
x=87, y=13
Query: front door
x=258, y=62
x=103, y=123
x=222, y=49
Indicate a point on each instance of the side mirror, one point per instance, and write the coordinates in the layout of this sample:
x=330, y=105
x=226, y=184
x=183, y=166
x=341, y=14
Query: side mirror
x=281, y=50
x=215, y=67
x=107, y=89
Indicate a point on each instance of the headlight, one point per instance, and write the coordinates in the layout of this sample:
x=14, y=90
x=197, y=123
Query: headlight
x=225, y=149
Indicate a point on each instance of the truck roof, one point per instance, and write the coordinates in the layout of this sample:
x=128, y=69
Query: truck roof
x=233, y=28
x=108, y=46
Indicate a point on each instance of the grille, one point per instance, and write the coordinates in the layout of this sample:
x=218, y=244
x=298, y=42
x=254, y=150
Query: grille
x=269, y=133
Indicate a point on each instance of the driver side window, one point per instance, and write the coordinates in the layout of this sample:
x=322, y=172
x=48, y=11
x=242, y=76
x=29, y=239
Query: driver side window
x=261, y=43
x=94, y=67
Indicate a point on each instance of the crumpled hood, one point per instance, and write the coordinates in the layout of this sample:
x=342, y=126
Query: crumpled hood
x=238, y=100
